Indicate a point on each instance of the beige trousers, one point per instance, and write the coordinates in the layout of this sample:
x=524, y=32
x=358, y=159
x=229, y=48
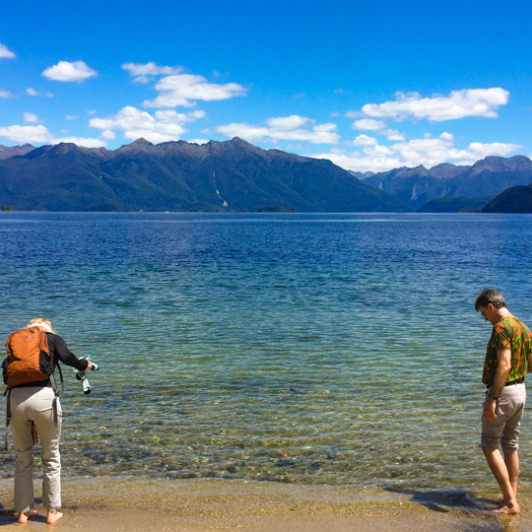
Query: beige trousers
x=34, y=404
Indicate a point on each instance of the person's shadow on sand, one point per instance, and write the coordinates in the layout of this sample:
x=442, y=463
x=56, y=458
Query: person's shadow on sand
x=445, y=501
x=8, y=516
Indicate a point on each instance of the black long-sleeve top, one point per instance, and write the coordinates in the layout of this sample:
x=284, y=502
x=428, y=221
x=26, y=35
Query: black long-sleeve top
x=60, y=353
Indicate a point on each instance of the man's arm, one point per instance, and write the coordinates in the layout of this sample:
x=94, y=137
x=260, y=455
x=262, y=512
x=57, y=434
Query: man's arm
x=504, y=356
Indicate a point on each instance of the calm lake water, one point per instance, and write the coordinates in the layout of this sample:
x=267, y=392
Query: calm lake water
x=299, y=348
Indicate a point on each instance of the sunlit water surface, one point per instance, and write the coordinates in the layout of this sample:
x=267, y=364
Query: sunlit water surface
x=298, y=348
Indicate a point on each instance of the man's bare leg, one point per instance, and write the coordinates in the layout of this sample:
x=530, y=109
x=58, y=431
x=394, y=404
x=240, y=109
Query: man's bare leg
x=500, y=472
x=511, y=459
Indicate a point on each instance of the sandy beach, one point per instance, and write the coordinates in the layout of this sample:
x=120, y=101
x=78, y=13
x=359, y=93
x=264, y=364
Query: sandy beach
x=208, y=505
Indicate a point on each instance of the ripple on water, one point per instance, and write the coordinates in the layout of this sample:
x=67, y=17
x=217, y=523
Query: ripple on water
x=326, y=349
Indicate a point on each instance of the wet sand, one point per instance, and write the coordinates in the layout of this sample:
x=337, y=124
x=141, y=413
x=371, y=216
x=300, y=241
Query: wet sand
x=212, y=505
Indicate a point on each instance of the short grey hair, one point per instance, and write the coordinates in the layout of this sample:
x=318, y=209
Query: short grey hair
x=487, y=296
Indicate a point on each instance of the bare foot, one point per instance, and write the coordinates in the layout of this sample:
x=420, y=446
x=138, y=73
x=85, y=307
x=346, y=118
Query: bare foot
x=24, y=516
x=53, y=517
x=508, y=509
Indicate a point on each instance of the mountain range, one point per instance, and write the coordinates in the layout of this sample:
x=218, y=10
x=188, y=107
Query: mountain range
x=7, y=151
x=236, y=176
x=180, y=176
x=473, y=186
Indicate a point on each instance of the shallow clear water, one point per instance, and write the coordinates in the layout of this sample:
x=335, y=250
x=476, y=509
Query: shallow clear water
x=300, y=348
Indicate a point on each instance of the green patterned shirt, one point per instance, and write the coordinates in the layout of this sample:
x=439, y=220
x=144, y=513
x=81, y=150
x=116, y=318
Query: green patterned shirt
x=509, y=333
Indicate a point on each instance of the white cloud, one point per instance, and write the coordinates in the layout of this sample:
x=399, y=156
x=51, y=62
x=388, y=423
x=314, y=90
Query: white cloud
x=245, y=131
x=369, y=124
x=31, y=118
x=32, y=92
x=108, y=134
x=379, y=127
x=325, y=128
x=360, y=162
x=81, y=141
x=479, y=150
x=5, y=53
x=287, y=123
x=77, y=71
x=459, y=104
x=393, y=134
x=71, y=117
x=6, y=94
x=41, y=135
x=163, y=126
x=365, y=140
x=183, y=89
x=142, y=73
x=292, y=128
x=23, y=134
x=428, y=151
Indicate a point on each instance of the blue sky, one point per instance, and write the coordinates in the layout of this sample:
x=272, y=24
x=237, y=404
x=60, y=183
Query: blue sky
x=370, y=85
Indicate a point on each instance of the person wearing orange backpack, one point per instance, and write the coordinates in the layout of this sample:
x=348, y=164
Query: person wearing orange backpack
x=33, y=410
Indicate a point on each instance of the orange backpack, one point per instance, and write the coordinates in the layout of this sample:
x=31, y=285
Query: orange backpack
x=24, y=349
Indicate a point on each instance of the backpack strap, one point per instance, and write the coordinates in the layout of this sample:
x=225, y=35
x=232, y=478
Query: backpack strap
x=8, y=413
x=61, y=377
x=56, y=391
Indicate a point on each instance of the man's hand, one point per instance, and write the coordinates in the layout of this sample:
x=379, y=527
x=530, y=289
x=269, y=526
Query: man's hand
x=504, y=356
x=490, y=407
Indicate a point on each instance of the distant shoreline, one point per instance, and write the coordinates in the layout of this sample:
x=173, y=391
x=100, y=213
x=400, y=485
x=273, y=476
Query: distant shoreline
x=268, y=212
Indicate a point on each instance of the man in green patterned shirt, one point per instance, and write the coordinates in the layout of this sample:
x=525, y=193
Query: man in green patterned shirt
x=506, y=364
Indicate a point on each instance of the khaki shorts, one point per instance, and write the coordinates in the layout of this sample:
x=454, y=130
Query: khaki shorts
x=504, y=429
